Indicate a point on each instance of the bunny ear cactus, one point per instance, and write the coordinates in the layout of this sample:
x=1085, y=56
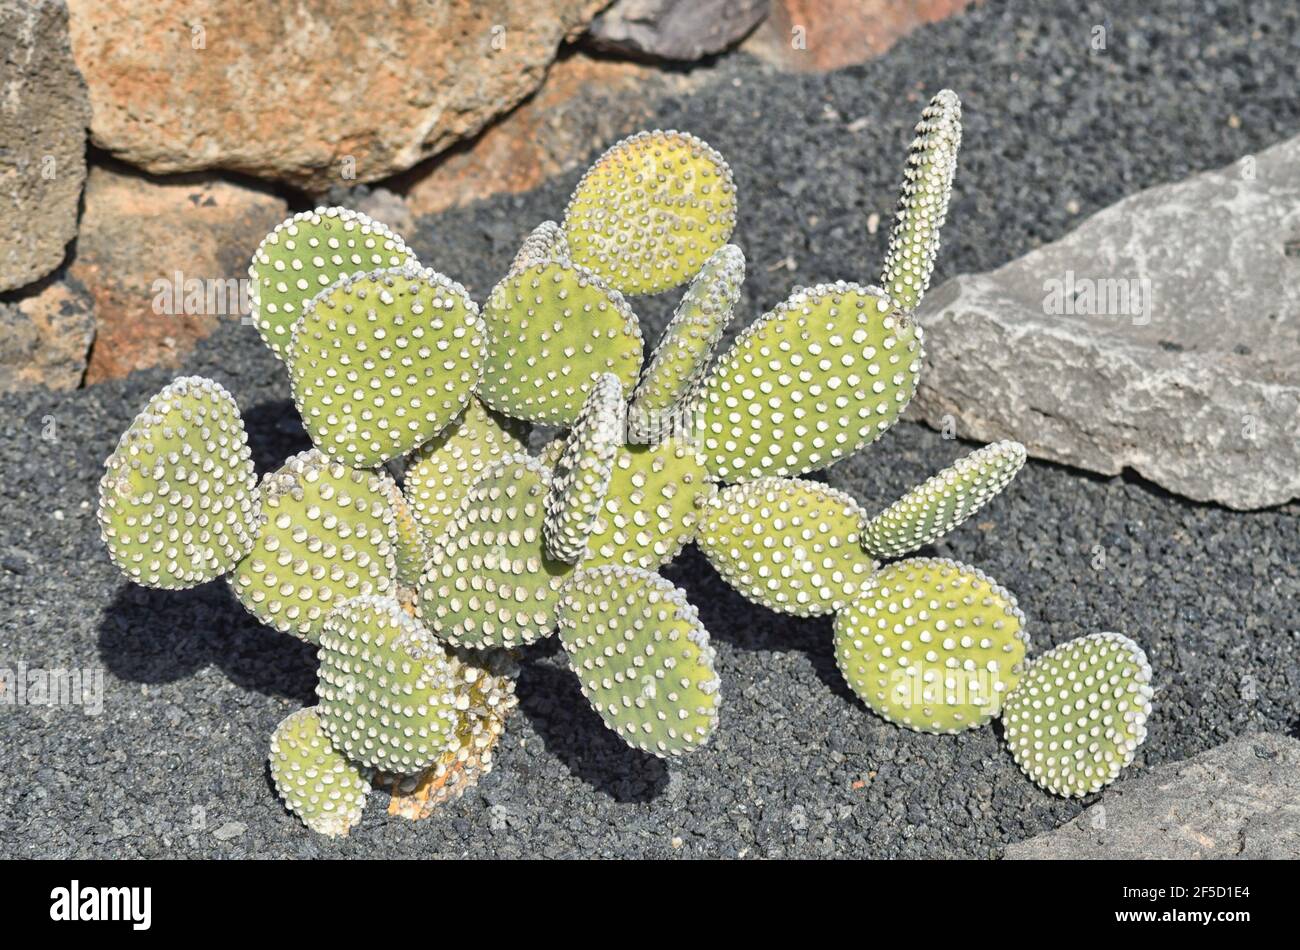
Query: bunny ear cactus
x=421, y=597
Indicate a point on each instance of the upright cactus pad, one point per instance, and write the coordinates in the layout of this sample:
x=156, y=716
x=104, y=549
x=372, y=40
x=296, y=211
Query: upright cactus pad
x=792, y=546
x=1079, y=713
x=178, y=502
x=328, y=535
x=387, y=699
x=816, y=379
x=934, y=508
x=553, y=328
x=643, y=658
x=651, y=508
x=651, y=211
x=306, y=254
x=682, y=356
x=931, y=166
x=582, y=473
x=442, y=471
x=381, y=362
x=544, y=243
x=932, y=645
x=409, y=549
x=489, y=581
x=323, y=788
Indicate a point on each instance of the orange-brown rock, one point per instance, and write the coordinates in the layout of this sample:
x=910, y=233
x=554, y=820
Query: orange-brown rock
x=165, y=263
x=812, y=35
x=313, y=92
x=44, y=337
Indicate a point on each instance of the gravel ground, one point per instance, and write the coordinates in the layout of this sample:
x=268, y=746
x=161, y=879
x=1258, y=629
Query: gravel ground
x=175, y=764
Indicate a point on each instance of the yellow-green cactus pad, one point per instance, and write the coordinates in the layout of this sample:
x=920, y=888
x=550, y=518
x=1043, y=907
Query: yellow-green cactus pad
x=932, y=645
x=814, y=380
x=307, y=253
x=382, y=362
x=489, y=581
x=178, y=501
x=549, y=454
x=409, y=546
x=651, y=211
x=544, y=243
x=682, y=356
x=553, y=328
x=323, y=788
x=1079, y=713
x=581, y=474
x=791, y=545
x=386, y=696
x=934, y=508
x=327, y=535
x=440, y=473
x=931, y=165
x=651, y=509
x=642, y=657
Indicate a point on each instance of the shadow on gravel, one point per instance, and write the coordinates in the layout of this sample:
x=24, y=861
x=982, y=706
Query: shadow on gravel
x=160, y=636
x=553, y=702
x=275, y=432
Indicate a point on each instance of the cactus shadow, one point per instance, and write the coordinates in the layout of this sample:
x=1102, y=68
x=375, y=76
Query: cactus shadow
x=160, y=636
x=553, y=702
x=275, y=432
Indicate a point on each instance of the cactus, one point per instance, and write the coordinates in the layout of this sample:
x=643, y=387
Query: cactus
x=422, y=597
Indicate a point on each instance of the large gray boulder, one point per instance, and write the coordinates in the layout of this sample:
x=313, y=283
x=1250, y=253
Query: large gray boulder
x=682, y=30
x=1239, y=800
x=1162, y=335
x=43, y=120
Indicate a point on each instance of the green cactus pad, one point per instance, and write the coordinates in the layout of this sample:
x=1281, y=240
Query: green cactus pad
x=931, y=166
x=178, y=501
x=642, y=657
x=552, y=329
x=489, y=582
x=682, y=356
x=814, y=380
x=321, y=787
x=441, y=472
x=544, y=243
x=409, y=546
x=382, y=362
x=651, y=211
x=932, y=645
x=934, y=508
x=549, y=454
x=327, y=535
x=650, y=511
x=307, y=253
x=387, y=699
x=1079, y=713
x=581, y=475
x=791, y=545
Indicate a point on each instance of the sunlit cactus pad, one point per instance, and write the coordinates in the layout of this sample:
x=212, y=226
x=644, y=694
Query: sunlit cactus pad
x=178, y=503
x=643, y=658
x=651, y=211
x=790, y=545
x=934, y=508
x=581, y=475
x=931, y=165
x=814, y=380
x=544, y=243
x=1079, y=713
x=323, y=788
x=932, y=645
x=552, y=329
x=409, y=549
x=306, y=254
x=489, y=581
x=651, y=508
x=682, y=356
x=387, y=698
x=441, y=472
x=328, y=535
x=381, y=362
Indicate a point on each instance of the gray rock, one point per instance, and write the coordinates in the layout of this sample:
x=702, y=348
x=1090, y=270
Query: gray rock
x=1240, y=800
x=45, y=337
x=1161, y=335
x=42, y=139
x=683, y=30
